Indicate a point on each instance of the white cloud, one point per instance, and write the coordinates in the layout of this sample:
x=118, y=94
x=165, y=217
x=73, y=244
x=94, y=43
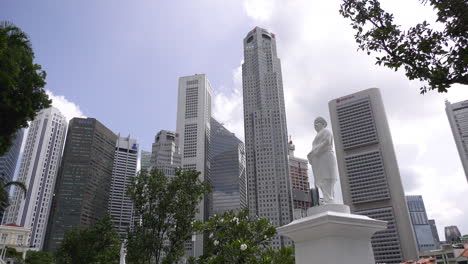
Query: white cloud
x=67, y=108
x=320, y=62
x=228, y=107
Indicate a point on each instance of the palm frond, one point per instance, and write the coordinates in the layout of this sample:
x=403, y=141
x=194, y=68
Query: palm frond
x=18, y=184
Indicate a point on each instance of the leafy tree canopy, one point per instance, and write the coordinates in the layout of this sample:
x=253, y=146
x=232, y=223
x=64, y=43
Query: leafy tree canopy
x=39, y=257
x=4, y=195
x=21, y=84
x=439, y=58
x=166, y=207
x=99, y=244
x=237, y=238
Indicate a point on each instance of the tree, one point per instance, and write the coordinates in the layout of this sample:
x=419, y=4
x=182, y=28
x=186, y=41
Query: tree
x=167, y=207
x=99, y=244
x=237, y=238
x=39, y=257
x=439, y=58
x=21, y=84
x=4, y=195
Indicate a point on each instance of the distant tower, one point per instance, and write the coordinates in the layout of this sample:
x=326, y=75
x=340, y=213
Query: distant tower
x=125, y=165
x=9, y=161
x=193, y=128
x=165, y=152
x=369, y=173
x=422, y=229
x=266, y=134
x=299, y=180
x=457, y=116
x=145, y=160
x=39, y=168
x=452, y=234
x=227, y=172
x=83, y=184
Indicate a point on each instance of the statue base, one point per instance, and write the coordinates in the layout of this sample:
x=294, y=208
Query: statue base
x=331, y=235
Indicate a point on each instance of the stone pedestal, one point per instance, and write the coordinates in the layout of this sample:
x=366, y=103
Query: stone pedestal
x=331, y=235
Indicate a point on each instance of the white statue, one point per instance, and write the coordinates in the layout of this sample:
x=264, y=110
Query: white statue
x=323, y=162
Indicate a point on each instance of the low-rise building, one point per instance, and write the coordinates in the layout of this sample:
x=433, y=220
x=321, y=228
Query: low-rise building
x=14, y=236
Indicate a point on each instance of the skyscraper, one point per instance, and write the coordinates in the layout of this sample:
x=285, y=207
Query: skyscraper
x=9, y=160
x=165, y=149
x=39, y=168
x=227, y=173
x=298, y=167
x=266, y=141
x=435, y=233
x=165, y=152
x=145, y=160
x=193, y=128
x=83, y=184
x=452, y=234
x=457, y=114
x=422, y=229
x=125, y=164
x=369, y=173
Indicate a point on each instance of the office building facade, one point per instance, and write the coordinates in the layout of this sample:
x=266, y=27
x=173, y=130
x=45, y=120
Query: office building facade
x=422, y=229
x=369, y=173
x=193, y=128
x=83, y=184
x=165, y=152
x=302, y=198
x=227, y=173
x=125, y=166
x=452, y=234
x=435, y=233
x=38, y=171
x=266, y=141
x=9, y=161
x=457, y=114
x=145, y=160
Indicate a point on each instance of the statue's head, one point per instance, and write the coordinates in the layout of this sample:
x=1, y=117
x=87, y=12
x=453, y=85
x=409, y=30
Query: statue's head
x=320, y=123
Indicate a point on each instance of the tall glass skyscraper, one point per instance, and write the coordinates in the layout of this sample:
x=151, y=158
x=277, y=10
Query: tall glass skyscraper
x=457, y=114
x=125, y=164
x=145, y=160
x=38, y=170
x=422, y=229
x=266, y=134
x=83, y=184
x=9, y=161
x=369, y=174
x=227, y=173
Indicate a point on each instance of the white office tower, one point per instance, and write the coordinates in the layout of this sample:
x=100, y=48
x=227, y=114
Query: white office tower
x=457, y=114
x=38, y=170
x=193, y=127
x=369, y=173
x=266, y=141
x=125, y=166
x=165, y=152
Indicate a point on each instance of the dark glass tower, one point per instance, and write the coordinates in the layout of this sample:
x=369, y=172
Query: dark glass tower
x=422, y=228
x=9, y=160
x=227, y=172
x=83, y=184
x=452, y=234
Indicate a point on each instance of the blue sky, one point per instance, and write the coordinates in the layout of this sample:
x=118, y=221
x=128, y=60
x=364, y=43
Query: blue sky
x=119, y=61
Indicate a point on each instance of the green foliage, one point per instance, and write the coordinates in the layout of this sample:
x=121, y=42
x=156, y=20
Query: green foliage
x=438, y=57
x=167, y=208
x=99, y=244
x=4, y=198
x=11, y=253
x=237, y=238
x=21, y=84
x=39, y=257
